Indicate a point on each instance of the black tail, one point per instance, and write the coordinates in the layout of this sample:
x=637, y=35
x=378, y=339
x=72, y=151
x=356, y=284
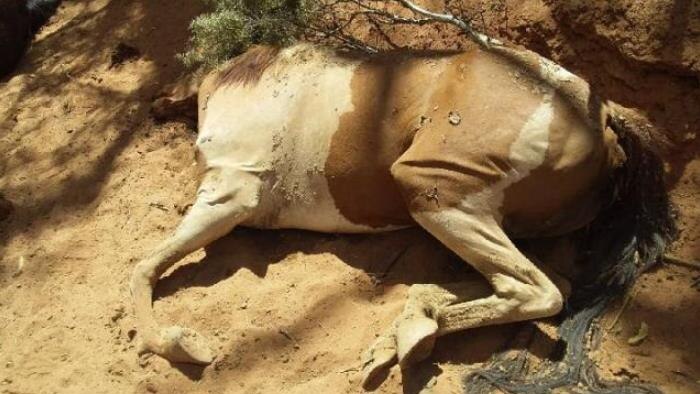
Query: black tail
x=39, y=12
x=19, y=21
x=628, y=236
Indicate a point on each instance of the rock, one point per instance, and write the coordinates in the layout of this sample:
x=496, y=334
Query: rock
x=640, y=336
x=454, y=118
x=119, y=312
x=122, y=54
x=20, y=266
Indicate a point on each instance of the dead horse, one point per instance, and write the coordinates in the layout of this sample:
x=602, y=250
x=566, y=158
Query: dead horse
x=476, y=147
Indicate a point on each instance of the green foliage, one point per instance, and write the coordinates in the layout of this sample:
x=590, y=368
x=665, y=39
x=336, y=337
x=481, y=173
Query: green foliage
x=235, y=25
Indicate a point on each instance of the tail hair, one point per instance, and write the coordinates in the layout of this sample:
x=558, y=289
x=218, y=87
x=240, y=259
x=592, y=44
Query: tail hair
x=640, y=190
x=40, y=11
x=628, y=236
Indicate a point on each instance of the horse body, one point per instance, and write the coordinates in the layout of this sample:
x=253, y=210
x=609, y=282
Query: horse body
x=351, y=145
x=476, y=147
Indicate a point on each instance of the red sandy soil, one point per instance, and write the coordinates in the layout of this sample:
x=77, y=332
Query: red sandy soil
x=96, y=184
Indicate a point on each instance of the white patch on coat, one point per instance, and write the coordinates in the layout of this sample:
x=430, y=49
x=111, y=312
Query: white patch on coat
x=473, y=229
x=527, y=152
x=280, y=129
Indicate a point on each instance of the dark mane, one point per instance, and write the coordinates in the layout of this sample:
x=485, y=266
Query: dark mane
x=249, y=67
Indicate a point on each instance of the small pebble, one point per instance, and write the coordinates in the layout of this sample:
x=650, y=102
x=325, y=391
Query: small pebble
x=454, y=118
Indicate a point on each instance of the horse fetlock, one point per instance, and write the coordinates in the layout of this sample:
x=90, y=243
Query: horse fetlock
x=415, y=339
x=378, y=358
x=178, y=345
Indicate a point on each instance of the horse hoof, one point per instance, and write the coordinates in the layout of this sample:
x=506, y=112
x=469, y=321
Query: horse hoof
x=183, y=345
x=415, y=339
x=380, y=357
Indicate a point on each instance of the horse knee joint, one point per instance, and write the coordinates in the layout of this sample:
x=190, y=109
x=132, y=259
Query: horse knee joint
x=143, y=274
x=550, y=302
x=554, y=303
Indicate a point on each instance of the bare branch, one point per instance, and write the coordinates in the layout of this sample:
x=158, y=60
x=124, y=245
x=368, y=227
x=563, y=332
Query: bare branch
x=391, y=18
x=378, y=25
x=349, y=41
x=341, y=18
x=479, y=38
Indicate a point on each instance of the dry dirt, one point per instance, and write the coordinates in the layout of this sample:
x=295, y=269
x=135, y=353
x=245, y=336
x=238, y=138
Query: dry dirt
x=95, y=184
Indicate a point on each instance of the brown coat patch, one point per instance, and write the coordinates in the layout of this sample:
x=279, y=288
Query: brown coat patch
x=249, y=67
x=388, y=96
x=564, y=193
x=495, y=99
x=448, y=161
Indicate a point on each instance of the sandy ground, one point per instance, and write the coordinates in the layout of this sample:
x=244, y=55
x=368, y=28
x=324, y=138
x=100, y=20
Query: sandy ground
x=96, y=184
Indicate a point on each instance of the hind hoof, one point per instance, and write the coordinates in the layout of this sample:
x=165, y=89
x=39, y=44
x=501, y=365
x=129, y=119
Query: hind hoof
x=183, y=345
x=380, y=357
x=415, y=339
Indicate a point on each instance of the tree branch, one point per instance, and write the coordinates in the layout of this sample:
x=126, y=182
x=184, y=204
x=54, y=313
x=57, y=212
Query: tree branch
x=479, y=38
x=341, y=16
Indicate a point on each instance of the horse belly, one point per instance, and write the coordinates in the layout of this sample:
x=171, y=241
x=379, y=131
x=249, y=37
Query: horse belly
x=297, y=190
x=311, y=207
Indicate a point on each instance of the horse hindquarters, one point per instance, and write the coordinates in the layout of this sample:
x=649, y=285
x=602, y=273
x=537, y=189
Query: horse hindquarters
x=225, y=199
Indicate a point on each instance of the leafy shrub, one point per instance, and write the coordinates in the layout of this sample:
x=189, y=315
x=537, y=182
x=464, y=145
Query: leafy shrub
x=234, y=25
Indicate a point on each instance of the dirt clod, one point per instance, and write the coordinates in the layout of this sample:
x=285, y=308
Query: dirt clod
x=122, y=54
x=454, y=118
x=640, y=336
x=118, y=313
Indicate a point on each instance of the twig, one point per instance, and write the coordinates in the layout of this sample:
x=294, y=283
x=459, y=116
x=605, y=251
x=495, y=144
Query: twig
x=380, y=15
x=393, y=262
x=353, y=369
x=619, y=313
x=479, y=38
x=676, y=261
x=159, y=206
x=349, y=41
x=378, y=25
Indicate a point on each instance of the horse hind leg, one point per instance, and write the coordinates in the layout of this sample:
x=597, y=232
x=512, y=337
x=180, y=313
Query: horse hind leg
x=519, y=291
x=225, y=199
x=412, y=334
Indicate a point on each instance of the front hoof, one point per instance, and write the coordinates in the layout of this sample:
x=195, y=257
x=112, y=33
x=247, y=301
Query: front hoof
x=183, y=345
x=378, y=359
x=415, y=339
